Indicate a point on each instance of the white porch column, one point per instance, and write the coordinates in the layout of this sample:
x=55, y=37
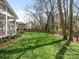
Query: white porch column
x=6, y=24
x=15, y=25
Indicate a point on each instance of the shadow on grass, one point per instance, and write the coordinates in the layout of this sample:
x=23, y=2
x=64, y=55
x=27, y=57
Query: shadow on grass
x=25, y=49
x=60, y=54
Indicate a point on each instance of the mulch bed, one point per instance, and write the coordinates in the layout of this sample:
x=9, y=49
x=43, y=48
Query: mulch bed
x=8, y=42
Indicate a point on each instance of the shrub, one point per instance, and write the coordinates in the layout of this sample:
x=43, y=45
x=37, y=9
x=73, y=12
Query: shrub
x=7, y=38
x=12, y=37
x=19, y=32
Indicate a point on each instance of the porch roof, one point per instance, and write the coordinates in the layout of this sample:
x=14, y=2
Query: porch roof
x=10, y=9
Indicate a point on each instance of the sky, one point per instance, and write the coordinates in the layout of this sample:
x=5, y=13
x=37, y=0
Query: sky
x=19, y=6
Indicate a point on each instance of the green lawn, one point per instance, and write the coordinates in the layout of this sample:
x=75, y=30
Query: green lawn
x=33, y=45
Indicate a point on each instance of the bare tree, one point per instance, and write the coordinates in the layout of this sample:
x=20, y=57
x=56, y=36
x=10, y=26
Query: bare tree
x=71, y=21
x=50, y=19
x=38, y=12
x=62, y=19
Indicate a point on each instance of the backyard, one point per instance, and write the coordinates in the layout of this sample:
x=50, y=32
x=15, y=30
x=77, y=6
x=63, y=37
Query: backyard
x=36, y=45
x=39, y=29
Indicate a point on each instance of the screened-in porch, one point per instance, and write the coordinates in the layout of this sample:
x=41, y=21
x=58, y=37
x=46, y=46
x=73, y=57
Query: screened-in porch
x=7, y=25
x=7, y=19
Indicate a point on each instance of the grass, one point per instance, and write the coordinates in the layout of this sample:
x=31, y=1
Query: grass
x=33, y=45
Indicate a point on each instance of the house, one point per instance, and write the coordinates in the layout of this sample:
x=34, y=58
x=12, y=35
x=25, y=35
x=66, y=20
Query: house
x=20, y=25
x=7, y=19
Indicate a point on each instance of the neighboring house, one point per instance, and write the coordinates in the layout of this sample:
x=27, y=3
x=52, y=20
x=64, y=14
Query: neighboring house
x=7, y=19
x=20, y=25
x=28, y=26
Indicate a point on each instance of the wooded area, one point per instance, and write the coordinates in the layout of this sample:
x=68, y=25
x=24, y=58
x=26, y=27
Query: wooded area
x=55, y=16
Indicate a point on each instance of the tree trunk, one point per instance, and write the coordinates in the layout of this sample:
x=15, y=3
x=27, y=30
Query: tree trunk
x=50, y=22
x=62, y=20
x=71, y=21
x=52, y=15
